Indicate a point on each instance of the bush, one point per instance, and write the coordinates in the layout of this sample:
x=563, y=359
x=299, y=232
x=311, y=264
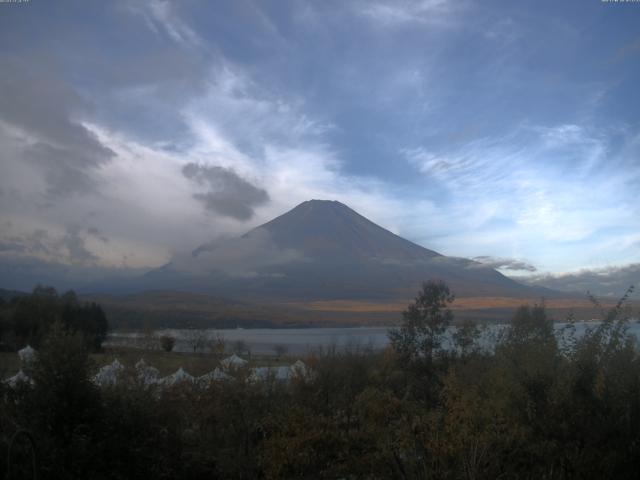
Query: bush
x=167, y=343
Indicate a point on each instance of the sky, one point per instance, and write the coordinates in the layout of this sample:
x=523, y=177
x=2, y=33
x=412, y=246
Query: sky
x=507, y=132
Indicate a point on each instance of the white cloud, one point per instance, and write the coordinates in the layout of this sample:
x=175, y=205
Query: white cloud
x=612, y=280
x=532, y=191
x=398, y=13
x=162, y=16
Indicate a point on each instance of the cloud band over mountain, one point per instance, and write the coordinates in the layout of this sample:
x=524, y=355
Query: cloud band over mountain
x=610, y=281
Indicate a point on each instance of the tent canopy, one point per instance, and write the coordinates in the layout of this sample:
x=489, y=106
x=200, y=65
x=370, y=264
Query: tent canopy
x=27, y=354
x=233, y=361
x=18, y=378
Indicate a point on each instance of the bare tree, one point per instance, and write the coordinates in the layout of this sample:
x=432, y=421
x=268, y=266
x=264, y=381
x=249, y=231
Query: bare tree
x=149, y=338
x=196, y=339
x=218, y=344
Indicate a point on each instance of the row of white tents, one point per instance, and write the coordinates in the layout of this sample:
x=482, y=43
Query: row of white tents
x=113, y=373
x=149, y=375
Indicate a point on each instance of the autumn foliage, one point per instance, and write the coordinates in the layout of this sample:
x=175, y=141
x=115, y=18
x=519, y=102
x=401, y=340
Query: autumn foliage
x=530, y=402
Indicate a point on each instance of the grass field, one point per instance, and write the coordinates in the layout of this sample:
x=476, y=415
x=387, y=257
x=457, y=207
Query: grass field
x=480, y=309
x=463, y=303
x=160, y=309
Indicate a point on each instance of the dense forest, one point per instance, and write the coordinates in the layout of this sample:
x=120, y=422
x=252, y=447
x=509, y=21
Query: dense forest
x=538, y=403
x=27, y=318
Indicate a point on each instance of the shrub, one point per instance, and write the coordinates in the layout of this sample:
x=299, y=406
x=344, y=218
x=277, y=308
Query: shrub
x=167, y=343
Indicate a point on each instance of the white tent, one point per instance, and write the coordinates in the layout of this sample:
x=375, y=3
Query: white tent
x=300, y=369
x=179, y=376
x=263, y=374
x=233, y=361
x=141, y=364
x=282, y=373
x=116, y=365
x=27, y=354
x=146, y=374
x=18, y=378
x=108, y=375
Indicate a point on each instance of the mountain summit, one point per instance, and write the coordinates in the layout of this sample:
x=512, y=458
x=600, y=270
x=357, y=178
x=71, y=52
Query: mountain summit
x=325, y=250
x=328, y=230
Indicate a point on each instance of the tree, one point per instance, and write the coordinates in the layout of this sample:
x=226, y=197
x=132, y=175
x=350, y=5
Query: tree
x=529, y=324
x=280, y=350
x=218, y=344
x=240, y=347
x=465, y=338
x=425, y=322
x=149, y=339
x=167, y=343
x=63, y=407
x=31, y=317
x=196, y=338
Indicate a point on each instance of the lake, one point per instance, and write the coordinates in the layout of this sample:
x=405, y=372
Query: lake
x=300, y=341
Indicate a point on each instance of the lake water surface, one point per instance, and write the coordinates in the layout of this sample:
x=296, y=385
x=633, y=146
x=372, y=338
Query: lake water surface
x=296, y=340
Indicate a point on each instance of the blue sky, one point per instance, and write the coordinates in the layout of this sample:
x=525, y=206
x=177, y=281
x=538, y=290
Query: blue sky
x=132, y=131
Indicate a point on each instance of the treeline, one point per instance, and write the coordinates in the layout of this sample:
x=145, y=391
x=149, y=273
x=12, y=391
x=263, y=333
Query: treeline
x=26, y=319
x=535, y=404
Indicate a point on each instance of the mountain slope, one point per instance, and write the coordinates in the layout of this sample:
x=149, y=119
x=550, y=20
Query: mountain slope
x=325, y=229
x=325, y=250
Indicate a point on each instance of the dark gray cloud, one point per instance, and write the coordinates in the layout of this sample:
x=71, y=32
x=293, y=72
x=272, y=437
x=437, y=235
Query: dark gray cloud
x=37, y=243
x=25, y=272
x=74, y=243
x=504, y=263
x=69, y=248
x=227, y=193
x=43, y=109
x=96, y=232
x=11, y=245
x=610, y=281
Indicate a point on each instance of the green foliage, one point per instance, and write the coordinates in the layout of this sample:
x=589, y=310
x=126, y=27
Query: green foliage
x=64, y=405
x=466, y=338
x=530, y=324
x=418, y=343
x=26, y=319
x=425, y=322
